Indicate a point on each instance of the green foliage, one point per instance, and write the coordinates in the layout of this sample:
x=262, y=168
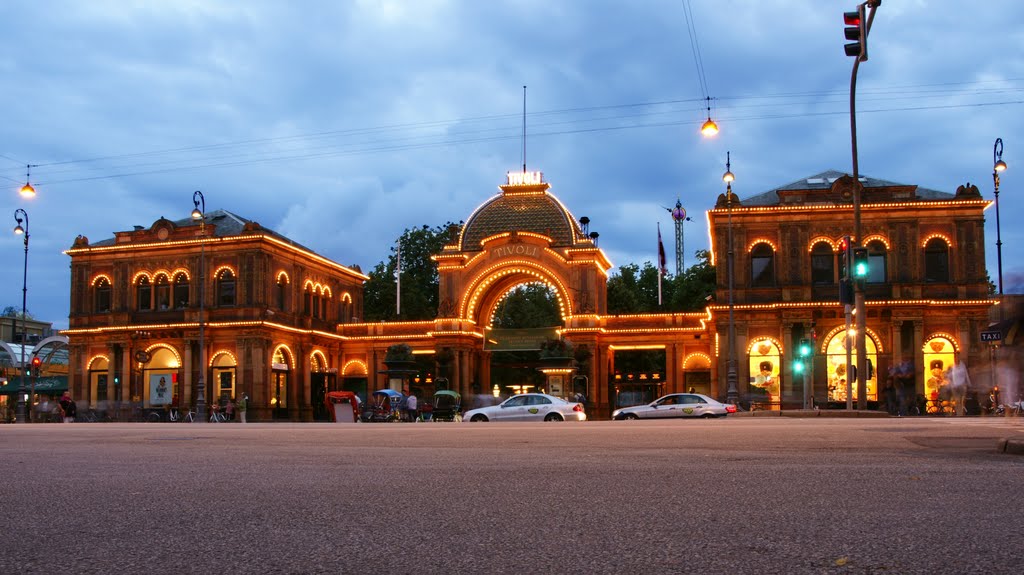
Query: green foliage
x=635, y=289
x=399, y=352
x=555, y=347
x=419, y=277
x=527, y=306
x=11, y=311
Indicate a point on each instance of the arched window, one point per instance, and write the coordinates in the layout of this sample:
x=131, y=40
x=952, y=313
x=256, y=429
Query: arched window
x=323, y=305
x=181, y=291
x=163, y=293
x=762, y=266
x=936, y=261
x=823, y=264
x=225, y=288
x=102, y=296
x=877, y=260
x=144, y=294
x=307, y=300
x=282, y=291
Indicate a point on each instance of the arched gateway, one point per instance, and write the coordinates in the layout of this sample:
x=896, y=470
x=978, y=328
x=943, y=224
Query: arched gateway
x=524, y=234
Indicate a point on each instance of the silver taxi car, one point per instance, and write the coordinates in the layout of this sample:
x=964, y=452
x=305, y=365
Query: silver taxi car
x=676, y=405
x=529, y=407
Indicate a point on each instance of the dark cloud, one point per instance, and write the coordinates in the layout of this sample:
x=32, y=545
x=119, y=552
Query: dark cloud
x=342, y=124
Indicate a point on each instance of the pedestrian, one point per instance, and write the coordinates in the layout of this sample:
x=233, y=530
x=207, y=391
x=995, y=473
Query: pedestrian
x=906, y=385
x=229, y=409
x=890, y=396
x=959, y=381
x=68, y=407
x=243, y=404
x=411, y=406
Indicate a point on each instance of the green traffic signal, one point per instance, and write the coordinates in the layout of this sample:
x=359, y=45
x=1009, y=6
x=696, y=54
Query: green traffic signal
x=798, y=366
x=804, y=349
x=860, y=263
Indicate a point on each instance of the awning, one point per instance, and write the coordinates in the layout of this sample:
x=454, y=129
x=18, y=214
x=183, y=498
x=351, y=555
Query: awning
x=49, y=385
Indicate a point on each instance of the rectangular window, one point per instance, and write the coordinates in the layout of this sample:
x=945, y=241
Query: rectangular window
x=163, y=296
x=180, y=295
x=226, y=297
x=101, y=387
x=762, y=273
x=876, y=269
x=822, y=269
x=103, y=299
x=145, y=293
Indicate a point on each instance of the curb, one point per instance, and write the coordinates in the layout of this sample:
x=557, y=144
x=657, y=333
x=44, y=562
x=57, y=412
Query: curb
x=832, y=413
x=1011, y=446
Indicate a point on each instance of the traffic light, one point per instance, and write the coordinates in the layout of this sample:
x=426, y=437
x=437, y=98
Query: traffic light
x=846, y=295
x=844, y=257
x=36, y=363
x=117, y=380
x=799, y=365
x=860, y=263
x=856, y=30
x=804, y=349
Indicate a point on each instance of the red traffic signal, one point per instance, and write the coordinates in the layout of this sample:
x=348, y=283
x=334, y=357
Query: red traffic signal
x=36, y=362
x=856, y=30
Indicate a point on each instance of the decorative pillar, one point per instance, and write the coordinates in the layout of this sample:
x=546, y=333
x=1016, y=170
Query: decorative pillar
x=188, y=383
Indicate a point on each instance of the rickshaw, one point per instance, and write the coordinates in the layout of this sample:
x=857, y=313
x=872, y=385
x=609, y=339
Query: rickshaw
x=385, y=406
x=447, y=405
x=343, y=406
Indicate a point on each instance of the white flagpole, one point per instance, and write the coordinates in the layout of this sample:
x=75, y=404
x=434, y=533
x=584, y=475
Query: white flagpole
x=661, y=252
x=398, y=281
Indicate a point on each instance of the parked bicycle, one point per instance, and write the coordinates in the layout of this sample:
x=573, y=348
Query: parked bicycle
x=216, y=415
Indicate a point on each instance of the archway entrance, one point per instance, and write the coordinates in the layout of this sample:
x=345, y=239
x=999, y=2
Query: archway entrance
x=523, y=318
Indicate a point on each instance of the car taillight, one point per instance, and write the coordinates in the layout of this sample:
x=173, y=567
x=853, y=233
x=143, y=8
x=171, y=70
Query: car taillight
x=577, y=407
x=730, y=408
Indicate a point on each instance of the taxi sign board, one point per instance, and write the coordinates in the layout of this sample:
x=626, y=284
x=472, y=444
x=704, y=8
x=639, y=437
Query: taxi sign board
x=992, y=335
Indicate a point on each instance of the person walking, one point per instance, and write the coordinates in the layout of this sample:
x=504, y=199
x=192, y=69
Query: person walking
x=229, y=409
x=411, y=406
x=243, y=404
x=959, y=382
x=68, y=407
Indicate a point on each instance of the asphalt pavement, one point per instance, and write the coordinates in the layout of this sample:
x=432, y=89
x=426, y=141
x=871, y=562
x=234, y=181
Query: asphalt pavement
x=734, y=495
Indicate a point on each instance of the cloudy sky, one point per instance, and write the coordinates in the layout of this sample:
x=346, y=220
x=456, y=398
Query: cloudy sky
x=342, y=123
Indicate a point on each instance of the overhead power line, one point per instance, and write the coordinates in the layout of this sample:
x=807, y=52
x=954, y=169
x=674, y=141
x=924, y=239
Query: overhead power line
x=474, y=130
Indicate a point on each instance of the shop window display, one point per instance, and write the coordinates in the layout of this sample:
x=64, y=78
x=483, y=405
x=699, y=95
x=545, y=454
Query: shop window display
x=835, y=369
x=764, y=372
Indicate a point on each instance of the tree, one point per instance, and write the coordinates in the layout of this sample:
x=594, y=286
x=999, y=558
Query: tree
x=527, y=306
x=419, y=277
x=635, y=289
x=692, y=289
x=11, y=311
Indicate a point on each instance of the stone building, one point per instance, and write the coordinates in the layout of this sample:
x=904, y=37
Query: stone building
x=927, y=295
x=282, y=324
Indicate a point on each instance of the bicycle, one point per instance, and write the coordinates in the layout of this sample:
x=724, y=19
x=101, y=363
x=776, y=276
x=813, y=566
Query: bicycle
x=218, y=417
x=189, y=417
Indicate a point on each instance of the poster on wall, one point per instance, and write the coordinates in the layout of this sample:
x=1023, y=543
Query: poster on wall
x=160, y=389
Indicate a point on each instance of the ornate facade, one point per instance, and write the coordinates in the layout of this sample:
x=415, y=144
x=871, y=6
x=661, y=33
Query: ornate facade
x=282, y=323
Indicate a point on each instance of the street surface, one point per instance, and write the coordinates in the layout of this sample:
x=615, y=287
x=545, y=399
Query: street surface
x=735, y=495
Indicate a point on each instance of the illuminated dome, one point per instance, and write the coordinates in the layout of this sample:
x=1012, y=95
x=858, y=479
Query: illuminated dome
x=522, y=207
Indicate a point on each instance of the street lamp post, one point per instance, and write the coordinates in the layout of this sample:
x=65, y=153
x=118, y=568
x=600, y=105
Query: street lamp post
x=731, y=377
x=20, y=410
x=199, y=213
x=998, y=165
